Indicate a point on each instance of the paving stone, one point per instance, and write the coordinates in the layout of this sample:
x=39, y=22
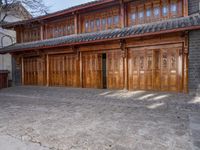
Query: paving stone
x=91, y=119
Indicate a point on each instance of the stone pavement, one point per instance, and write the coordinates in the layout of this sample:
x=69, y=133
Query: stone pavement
x=41, y=118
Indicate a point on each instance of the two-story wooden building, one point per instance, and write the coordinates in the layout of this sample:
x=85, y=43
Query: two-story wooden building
x=114, y=44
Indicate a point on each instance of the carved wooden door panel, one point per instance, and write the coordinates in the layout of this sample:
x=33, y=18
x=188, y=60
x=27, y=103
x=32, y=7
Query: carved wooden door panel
x=156, y=70
x=92, y=70
x=149, y=70
x=169, y=69
x=115, y=79
x=142, y=70
x=173, y=69
x=133, y=70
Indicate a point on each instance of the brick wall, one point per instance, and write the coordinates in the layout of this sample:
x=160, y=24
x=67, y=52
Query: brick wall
x=194, y=60
x=193, y=6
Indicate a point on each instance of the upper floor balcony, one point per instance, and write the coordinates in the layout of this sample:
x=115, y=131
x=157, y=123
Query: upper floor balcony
x=109, y=14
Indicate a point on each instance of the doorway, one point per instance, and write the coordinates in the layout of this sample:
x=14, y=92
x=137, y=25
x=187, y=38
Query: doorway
x=104, y=70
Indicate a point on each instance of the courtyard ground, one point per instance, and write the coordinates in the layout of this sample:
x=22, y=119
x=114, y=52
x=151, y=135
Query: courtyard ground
x=43, y=118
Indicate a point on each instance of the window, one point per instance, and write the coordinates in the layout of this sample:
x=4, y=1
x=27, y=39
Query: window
x=110, y=21
x=86, y=26
x=133, y=18
x=164, y=10
x=174, y=8
x=148, y=12
x=92, y=25
x=98, y=24
x=141, y=15
x=116, y=20
x=103, y=22
x=68, y=29
x=156, y=11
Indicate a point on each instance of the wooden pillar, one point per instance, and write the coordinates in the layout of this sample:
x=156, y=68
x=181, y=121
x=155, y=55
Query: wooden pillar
x=81, y=69
x=122, y=13
x=41, y=32
x=79, y=24
x=125, y=63
x=46, y=32
x=47, y=69
x=185, y=8
x=76, y=23
x=22, y=71
x=21, y=35
x=185, y=66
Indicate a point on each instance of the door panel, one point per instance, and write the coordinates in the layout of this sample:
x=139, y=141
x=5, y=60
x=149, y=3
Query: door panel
x=115, y=79
x=64, y=70
x=34, y=71
x=133, y=71
x=92, y=70
x=154, y=69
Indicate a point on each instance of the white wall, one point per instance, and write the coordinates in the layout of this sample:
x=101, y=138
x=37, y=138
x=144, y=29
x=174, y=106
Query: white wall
x=6, y=60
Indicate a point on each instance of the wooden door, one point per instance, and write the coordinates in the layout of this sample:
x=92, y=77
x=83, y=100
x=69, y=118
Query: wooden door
x=169, y=69
x=149, y=70
x=115, y=69
x=64, y=70
x=92, y=70
x=34, y=71
x=72, y=71
x=156, y=69
x=56, y=70
x=133, y=70
x=137, y=69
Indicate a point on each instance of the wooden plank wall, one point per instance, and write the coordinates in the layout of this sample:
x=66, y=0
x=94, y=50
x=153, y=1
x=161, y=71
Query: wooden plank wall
x=151, y=63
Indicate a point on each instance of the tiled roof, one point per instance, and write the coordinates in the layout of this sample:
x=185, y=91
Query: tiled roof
x=172, y=25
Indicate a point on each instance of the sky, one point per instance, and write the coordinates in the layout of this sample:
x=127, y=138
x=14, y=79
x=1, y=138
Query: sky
x=56, y=5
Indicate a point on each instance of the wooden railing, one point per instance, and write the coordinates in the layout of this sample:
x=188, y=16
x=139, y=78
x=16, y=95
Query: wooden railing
x=3, y=79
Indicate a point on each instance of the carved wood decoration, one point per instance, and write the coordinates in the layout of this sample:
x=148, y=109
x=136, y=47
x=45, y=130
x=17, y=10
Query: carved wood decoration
x=153, y=10
x=101, y=20
x=155, y=69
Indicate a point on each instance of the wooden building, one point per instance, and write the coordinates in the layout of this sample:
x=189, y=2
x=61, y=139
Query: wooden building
x=113, y=44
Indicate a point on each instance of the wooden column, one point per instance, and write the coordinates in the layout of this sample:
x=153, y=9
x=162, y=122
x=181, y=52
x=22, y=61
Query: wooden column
x=47, y=69
x=125, y=63
x=122, y=13
x=46, y=33
x=185, y=7
x=22, y=71
x=21, y=35
x=79, y=24
x=81, y=69
x=185, y=65
x=41, y=32
x=76, y=23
